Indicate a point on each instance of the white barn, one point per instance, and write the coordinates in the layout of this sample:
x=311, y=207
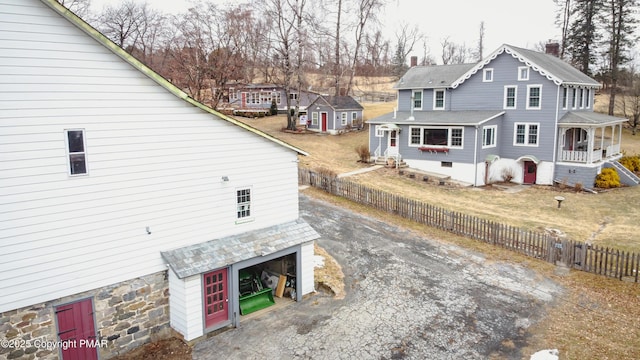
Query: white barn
x=122, y=198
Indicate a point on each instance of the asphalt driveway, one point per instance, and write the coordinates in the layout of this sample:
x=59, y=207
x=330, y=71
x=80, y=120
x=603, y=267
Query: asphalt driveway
x=407, y=297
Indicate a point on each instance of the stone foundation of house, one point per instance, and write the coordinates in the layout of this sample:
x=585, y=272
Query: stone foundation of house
x=127, y=315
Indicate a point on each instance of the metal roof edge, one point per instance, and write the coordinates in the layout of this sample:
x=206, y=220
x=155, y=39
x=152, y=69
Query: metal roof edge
x=159, y=79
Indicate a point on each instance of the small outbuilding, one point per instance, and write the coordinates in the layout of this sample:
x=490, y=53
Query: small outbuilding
x=334, y=114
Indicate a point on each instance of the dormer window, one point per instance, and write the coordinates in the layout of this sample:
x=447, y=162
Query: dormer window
x=523, y=73
x=416, y=97
x=487, y=75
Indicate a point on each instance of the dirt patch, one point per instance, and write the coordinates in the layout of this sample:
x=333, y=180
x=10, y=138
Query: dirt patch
x=169, y=349
x=329, y=276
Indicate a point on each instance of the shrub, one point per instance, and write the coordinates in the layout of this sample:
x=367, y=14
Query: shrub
x=578, y=186
x=363, y=153
x=274, y=108
x=326, y=172
x=507, y=174
x=608, y=179
x=631, y=162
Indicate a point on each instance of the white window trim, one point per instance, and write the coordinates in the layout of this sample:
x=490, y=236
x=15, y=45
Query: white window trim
x=344, y=118
x=314, y=118
x=486, y=72
x=449, y=136
x=526, y=134
x=379, y=133
x=529, y=87
x=515, y=95
x=413, y=99
x=588, y=98
x=69, y=153
x=444, y=99
x=354, y=116
x=495, y=137
x=574, y=98
x=251, y=213
x=565, y=99
x=520, y=77
x=581, y=97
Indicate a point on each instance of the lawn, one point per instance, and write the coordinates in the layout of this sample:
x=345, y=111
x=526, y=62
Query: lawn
x=607, y=219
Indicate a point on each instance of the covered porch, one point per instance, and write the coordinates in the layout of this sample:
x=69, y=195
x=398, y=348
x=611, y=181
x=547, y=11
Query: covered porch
x=586, y=137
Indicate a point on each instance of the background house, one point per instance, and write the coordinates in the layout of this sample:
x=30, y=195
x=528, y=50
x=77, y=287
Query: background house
x=333, y=114
x=518, y=115
x=128, y=208
x=246, y=98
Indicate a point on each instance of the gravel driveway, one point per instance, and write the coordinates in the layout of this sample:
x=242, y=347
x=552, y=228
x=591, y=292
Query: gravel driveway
x=407, y=297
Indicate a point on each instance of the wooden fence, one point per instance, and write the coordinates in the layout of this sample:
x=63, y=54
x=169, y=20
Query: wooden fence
x=577, y=255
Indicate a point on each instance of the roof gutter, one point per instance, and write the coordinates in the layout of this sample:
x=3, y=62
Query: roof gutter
x=98, y=36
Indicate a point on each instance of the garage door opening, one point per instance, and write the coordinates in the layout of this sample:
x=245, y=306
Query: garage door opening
x=264, y=285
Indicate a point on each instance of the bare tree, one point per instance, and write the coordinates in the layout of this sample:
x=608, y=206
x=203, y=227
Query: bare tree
x=453, y=53
x=629, y=102
x=118, y=23
x=406, y=39
x=367, y=10
x=79, y=7
x=563, y=19
x=480, y=49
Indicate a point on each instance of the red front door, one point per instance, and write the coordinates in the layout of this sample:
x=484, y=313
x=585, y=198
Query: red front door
x=216, y=300
x=530, y=169
x=324, y=121
x=76, y=328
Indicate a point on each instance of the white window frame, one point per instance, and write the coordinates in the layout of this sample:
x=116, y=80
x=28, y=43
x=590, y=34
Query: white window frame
x=379, y=133
x=232, y=94
x=574, y=98
x=244, y=212
x=255, y=98
x=515, y=97
x=527, y=131
x=354, y=116
x=449, y=136
x=413, y=99
x=277, y=96
x=314, y=118
x=293, y=96
x=581, y=98
x=487, y=75
x=493, y=129
x=71, y=154
x=344, y=118
x=528, y=105
x=444, y=99
x=588, y=99
x=523, y=73
x=565, y=98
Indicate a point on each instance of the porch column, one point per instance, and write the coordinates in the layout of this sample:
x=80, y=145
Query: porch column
x=591, y=133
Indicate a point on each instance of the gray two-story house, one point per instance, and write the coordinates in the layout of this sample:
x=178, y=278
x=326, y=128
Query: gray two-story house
x=518, y=115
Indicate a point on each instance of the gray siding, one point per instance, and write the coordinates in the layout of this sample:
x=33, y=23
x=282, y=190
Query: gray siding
x=572, y=175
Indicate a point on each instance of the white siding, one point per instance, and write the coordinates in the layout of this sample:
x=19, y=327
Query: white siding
x=459, y=171
x=185, y=303
x=307, y=268
x=153, y=160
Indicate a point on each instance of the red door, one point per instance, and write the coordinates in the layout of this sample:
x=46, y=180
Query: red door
x=324, y=121
x=76, y=328
x=216, y=299
x=530, y=169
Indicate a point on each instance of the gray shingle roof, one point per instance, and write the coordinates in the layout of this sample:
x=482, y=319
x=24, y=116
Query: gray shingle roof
x=430, y=77
x=340, y=102
x=459, y=118
x=214, y=254
x=588, y=118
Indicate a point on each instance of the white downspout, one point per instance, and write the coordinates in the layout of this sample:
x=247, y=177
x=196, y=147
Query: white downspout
x=475, y=159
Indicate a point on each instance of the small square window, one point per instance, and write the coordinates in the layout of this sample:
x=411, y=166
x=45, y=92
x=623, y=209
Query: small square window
x=487, y=75
x=523, y=73
x=446, y=164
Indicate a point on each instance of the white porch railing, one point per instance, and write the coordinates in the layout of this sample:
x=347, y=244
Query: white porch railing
x=377, y=152
x=583, y=156
x=613, y=149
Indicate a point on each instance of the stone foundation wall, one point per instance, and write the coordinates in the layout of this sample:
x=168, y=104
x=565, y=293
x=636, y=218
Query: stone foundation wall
x=126, y=314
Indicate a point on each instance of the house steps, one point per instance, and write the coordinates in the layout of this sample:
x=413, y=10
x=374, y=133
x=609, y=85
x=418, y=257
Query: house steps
x=384, y=162
x=626, y=176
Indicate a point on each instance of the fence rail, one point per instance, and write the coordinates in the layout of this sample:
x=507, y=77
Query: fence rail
x=578, y=255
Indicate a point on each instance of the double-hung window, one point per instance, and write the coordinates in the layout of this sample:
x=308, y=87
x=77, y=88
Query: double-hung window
x=510, y=97
x=243, y=201
x=343, y=118
x=587, y=99
x=526, y=134
x=581, y=99
x=76, y=151
x=534, y=97
x=574, y=98
x=438, y=99
x=416, y=97
x=565, y=98
x=489, y=136
x=314, y=118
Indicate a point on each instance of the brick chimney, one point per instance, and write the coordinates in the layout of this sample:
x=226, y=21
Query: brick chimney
x=414, y=61
x=552, y=48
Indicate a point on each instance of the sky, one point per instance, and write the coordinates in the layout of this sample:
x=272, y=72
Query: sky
x=522, y=23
